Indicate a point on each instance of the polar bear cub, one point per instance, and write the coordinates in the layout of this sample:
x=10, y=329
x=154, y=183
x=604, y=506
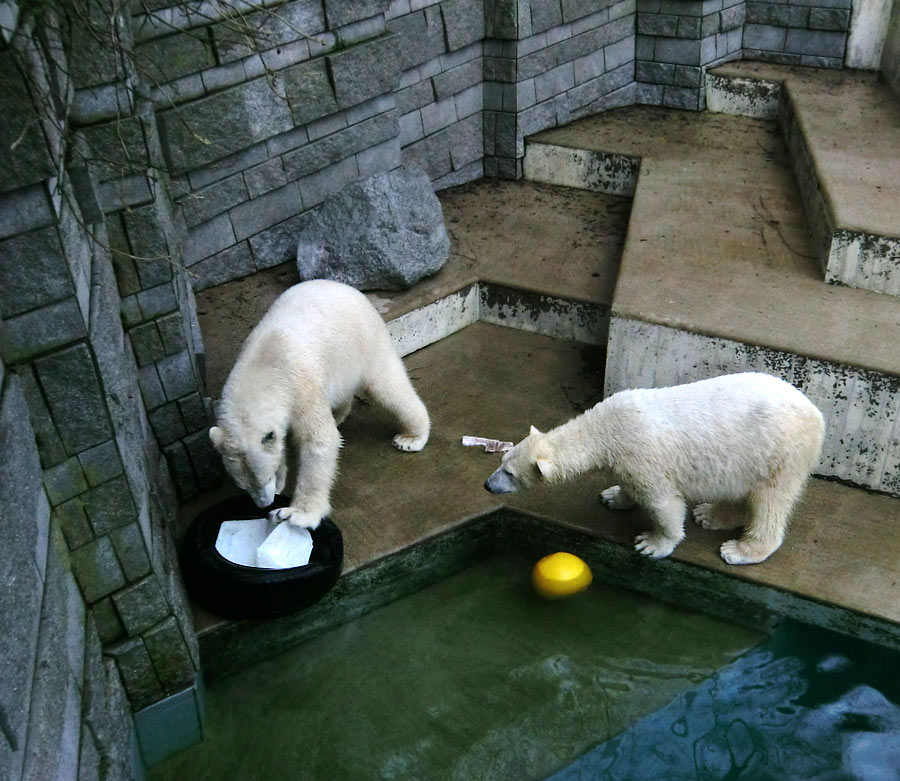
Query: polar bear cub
x=320, y=344
x=742, y=444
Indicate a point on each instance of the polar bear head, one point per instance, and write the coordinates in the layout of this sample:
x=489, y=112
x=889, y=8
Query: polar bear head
x=253, y=455
x=530, y=461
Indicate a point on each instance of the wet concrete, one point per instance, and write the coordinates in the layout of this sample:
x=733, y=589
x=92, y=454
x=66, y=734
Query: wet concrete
x=718, y=243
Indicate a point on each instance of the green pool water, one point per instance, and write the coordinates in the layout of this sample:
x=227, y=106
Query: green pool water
x=474, y=677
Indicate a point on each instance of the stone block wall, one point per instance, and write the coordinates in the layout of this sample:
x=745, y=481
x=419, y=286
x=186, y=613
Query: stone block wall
x=677, y=41
x=547, y=62
x=799, y=32
x=86, y=501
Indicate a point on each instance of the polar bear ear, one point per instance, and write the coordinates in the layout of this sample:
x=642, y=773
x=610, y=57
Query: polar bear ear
x=533, y=431
x=216, y=435
x=547, y=468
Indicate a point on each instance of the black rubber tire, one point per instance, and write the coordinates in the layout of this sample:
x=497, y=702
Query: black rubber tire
x=235, y=591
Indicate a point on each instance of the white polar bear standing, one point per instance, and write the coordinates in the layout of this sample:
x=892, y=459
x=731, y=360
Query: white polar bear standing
x=320, y=344
x=742, y=444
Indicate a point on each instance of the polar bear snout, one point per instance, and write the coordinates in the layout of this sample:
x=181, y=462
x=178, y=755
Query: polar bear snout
x=501, y=482
x=265, y=495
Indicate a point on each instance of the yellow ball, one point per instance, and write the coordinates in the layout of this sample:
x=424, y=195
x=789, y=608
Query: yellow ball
x=560, y=575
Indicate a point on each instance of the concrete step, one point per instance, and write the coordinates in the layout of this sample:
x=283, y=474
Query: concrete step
x=843, y=131
x=719, y=274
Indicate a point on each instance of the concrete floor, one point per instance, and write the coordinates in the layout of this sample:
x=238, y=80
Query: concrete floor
x=491, y=381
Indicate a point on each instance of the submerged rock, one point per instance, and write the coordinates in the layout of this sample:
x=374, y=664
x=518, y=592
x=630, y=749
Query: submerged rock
x=385, y=232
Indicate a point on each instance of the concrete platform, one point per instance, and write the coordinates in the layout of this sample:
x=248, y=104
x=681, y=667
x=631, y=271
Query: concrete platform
x=403, y=514
x=843, y=130
x=719, y=274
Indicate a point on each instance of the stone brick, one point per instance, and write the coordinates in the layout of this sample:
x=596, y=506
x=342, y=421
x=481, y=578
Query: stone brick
x=33, y=272
x=437, y=116
x=74, y=523
x=455, y=80
x=109, y=627
x=128, y=542
x=149, y=244
x=554, y=82
x=654, y=72
x=364, y=71
x=147, y=343
x=619, y=53
x=97, y=569
x=681, y=97
x=420, y=37
x=687, y=76
x=265, y=177
x=415, y=96
x=207, y=239
x=141, y=605
x=691, y=26
x=764, y=37
x=24, y=156
x=157, y=301
x=576, y=9
x=169, y=653
x=193, y=412
x=264, y=30
x=265, y=211
x=210, y=201
x=152, y=392
x=216, y=126
x=177, y=375
x=816, y=43
x=141, y=682
x=829, y=19
x=131, y=313
x=318, y=186
x=733, y=17
x=230, y=165
x=50, y=446
x=677, y=51
x=109, y=506
x=309, y=91
x=101, y=463
x=464, y=22
x=206, y=462
x=64, y=481
x=657, y=24
x=165, y=59
x=75, y=398
x=171, y=331
x=376, y=160
x=167, y=423
x=276, y=245
x=341, y=12
x=23, y=210
x=777, y=14
x=41, y=330
x=115, y=149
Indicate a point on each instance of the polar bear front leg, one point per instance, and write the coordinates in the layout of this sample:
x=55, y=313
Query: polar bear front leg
x=311, y=500
x=668, y=515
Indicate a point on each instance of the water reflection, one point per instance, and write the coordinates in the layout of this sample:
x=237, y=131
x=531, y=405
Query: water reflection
x=809, y=704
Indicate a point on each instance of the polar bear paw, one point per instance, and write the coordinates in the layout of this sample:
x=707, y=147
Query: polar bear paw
x=296, y=517
x=715, y=516
x=654, y=544
x=743, y=552
x=410, y=444
x=616, y=498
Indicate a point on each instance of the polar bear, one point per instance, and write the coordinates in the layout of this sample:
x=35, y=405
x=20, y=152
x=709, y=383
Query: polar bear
x=320, y=344
x=741, y=444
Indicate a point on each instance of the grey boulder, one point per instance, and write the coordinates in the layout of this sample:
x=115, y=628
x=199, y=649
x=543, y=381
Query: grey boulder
x=385, y=232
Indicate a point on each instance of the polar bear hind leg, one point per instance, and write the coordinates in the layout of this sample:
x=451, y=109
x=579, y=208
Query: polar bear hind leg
x=770, y=504
x=392, y=389
x=668, y=513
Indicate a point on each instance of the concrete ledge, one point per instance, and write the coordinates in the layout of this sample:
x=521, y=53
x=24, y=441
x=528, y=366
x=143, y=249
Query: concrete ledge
x=843, y=132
